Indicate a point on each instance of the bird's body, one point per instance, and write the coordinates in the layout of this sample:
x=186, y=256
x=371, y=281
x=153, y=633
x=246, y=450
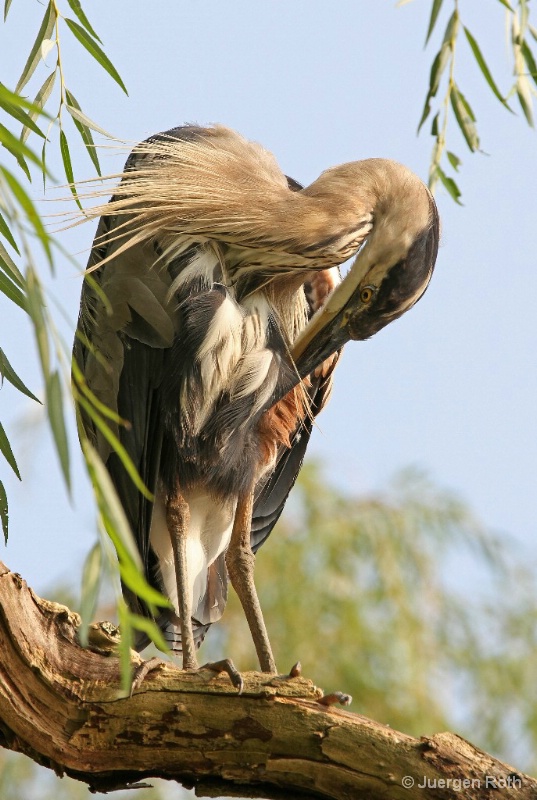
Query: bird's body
x=207, y=267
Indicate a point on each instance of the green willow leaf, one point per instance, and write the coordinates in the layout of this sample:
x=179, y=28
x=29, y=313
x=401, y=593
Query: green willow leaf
x=10, y=268
x=529, y=59
x=16, y=147
x=6, y=233
x=21, y=116
x=57, y=423
x=5, y=449
x=478, y=55
x=91, y=583
x=452, y=29
x=112, y=439
x=68, y=167
x=126, y=644
x=83, y=130
x=84, y=120
x=524, y=98
x=77, y=9
x=465, y=118
x=7, y=372
x=149, y=627
x=29, y=209
x=437, y=5
x=7, y=96
x=35, y=306
x=4, y=512
x=40, y=99
x=454, y=160
x=450, y=185
x=49, y=20
x=12, y=291
x=6, y=9
x=440, y=62
x=93, y=49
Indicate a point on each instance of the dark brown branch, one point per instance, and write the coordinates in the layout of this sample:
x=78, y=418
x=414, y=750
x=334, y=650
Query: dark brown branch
x=62, y=706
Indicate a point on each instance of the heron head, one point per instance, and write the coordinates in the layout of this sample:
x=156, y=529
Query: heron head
x=388, y=276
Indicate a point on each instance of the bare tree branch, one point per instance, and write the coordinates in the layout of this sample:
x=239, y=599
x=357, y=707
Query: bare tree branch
x=62, y=706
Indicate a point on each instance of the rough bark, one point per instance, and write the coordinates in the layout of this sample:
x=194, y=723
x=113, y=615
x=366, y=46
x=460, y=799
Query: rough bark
x=62, y=706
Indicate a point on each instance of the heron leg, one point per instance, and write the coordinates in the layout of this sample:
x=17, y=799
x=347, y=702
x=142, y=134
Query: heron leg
x=178, y=518
x=240, y=562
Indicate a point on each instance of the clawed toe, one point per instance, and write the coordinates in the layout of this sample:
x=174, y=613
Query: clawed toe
x=227, y=666
x=143, y=670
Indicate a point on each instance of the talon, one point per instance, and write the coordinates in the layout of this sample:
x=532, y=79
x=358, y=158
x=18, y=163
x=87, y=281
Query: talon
x=296, y=670
x=334, y=698
x=227, y=666
x=143, y=670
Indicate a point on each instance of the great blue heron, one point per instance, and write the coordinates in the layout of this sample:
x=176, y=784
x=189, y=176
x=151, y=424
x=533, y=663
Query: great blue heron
x=211, y=321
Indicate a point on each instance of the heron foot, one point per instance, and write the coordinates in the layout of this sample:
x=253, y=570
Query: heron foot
x=227, y=666
x=143, y=670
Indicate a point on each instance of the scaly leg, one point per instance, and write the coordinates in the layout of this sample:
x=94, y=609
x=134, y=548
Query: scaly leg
x=178, y=518
x=240, y=565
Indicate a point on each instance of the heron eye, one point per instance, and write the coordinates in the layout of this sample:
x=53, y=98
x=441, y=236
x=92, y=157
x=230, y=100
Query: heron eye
x=366, y=295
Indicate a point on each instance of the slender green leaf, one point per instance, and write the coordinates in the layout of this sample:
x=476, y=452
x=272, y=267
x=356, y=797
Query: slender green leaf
x=80, y=384
x=7, y=372
x=91, y=583
x=533, y=31
x=40, y=99
x=452, y=29
x=450, y=185
x=437, y=5
x=454, y=160
x=126, y=644
x=57, y=422
x=465, y=118
x=434, y=125
x=149, y=627
x=12, y=291
x=21, y=116
x=49, y=20
x=35, y=309
x=5, y=449
x=29, y=209
x=439, y=64
x=529, y=59
x=478, y=55
x=7, y=96
x=114, y=518
x=117, y=527
x=524, y=98
x=112, y=439
x=84, y=120
x=83, y=130
x=16, y=147
x=67, y=165
x=93, y=48
x=4, y=511
x=6, y=8
x=77, y=9
x=6, y=233
x=9, y=267
x=507, y=5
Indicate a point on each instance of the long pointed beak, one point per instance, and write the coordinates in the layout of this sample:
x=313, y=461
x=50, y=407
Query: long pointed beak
x=343, y=317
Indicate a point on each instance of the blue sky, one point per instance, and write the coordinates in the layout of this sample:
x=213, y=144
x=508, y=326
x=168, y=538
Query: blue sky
x=450, y=387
